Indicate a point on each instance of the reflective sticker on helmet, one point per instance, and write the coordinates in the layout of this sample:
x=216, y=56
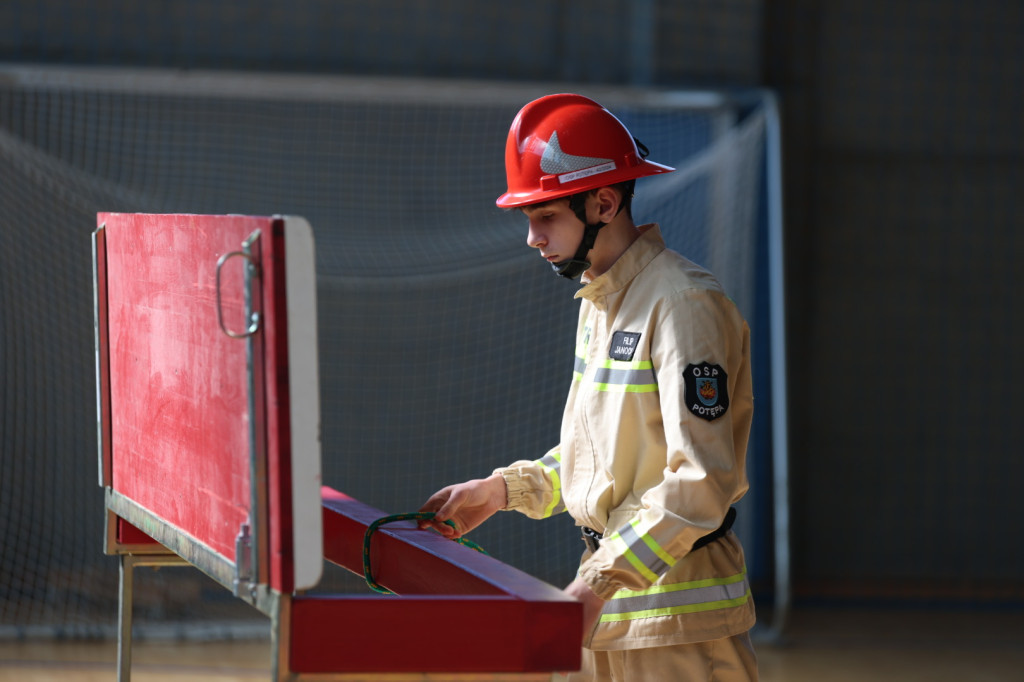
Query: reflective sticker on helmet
x=586, y=172
x=554, y=161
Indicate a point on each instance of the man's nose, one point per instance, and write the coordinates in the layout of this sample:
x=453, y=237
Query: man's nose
x=534, y=238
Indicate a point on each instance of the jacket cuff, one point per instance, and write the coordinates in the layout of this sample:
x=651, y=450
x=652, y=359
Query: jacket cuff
x=601, y=585
x=515, y=487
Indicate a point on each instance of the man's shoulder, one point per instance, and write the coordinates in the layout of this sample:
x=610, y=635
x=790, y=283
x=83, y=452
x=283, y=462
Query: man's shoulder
x=671, y=272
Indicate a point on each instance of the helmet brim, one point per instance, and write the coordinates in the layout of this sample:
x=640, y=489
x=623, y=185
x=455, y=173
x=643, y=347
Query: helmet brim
x=645, y=168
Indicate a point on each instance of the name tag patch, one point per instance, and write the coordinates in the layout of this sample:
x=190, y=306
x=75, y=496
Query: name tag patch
x=706, y=390
x=624, y=345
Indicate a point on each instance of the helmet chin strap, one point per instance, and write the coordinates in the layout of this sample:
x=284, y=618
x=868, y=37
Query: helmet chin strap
x=574, y=267
x=578, y=264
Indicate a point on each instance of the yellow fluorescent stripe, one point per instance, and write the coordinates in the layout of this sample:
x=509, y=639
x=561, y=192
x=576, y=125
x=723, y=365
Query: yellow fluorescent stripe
x=556, y=495
x=677, y=610
x=624, y=364
x=638, y=564
x=652, y=545
x=556, y=482
x=677, y=587
x=623, y=388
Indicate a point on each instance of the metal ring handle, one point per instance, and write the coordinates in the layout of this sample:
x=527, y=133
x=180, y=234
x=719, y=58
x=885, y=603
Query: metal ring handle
x=254, y=317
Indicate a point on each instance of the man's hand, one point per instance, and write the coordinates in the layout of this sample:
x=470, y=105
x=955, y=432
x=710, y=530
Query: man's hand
x=592, y=605
x=467, y=505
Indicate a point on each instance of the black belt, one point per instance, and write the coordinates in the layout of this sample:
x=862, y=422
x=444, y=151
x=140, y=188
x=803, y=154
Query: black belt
x=593, y=538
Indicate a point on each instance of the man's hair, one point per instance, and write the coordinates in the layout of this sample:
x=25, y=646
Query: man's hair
x=625, y=189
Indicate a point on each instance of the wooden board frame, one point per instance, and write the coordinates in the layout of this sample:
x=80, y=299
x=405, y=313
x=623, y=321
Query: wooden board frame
x=314, y=636
x=284, y=517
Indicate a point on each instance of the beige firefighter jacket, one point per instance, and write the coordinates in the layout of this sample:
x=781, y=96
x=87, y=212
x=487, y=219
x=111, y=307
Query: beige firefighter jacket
x=653, y=450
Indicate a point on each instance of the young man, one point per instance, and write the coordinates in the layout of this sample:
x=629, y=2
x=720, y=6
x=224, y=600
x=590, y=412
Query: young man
x=654, y=434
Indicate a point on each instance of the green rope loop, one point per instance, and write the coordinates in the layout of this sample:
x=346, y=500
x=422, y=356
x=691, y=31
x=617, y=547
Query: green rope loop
x=414, y=516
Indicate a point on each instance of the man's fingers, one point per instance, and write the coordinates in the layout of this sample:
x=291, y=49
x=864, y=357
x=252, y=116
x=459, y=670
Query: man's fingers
x=460, y=504
x=432, y=505
x=443, y=504
x=441, y=527
x=456, y=497
x=436, y=501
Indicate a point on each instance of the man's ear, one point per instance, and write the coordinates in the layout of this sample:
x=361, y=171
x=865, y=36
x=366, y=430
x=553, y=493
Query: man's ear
x=608, y=202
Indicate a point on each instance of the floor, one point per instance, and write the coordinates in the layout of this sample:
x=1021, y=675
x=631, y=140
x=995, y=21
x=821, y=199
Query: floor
x=819, y=646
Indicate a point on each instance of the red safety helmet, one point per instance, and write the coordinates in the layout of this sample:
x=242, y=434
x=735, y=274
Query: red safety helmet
x=560, y=145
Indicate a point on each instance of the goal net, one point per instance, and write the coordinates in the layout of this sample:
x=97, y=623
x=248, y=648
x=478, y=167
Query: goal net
x=445, y=342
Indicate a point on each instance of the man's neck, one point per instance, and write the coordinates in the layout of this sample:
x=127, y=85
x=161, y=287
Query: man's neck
x=612, y=241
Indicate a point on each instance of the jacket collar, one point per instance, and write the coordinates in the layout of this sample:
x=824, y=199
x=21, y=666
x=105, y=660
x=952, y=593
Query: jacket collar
x=641, y=252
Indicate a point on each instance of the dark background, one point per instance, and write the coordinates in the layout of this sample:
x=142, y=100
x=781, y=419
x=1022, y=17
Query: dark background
x=904, y=209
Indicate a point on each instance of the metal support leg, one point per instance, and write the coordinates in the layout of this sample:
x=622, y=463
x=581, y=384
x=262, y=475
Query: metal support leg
x=124, y=617
x=124, y=620
x=279, y=607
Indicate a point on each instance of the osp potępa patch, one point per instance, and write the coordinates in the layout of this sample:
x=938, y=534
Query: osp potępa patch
x=706, y=390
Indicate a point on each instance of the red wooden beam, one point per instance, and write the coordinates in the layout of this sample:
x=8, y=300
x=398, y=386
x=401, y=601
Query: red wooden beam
x=432, y=635
x=461, y=611
x=442, y=566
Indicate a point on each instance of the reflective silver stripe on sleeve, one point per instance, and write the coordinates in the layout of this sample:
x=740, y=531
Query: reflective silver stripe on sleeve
x=668, y=600
x=552, y=465
x=641, y=551
x=626, y=377
x=579, y=366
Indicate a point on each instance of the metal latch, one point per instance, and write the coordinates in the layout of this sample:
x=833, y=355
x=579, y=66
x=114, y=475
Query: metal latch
x=244, y=585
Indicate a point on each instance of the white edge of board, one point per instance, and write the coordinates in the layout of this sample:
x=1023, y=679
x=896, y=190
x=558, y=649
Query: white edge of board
x=304, y=390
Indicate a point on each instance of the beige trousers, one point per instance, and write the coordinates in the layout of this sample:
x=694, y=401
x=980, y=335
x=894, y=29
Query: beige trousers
x=731, y=659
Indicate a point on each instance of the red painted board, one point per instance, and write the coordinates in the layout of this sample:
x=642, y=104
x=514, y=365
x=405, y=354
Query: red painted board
x=432, y=634
x=179, y=418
